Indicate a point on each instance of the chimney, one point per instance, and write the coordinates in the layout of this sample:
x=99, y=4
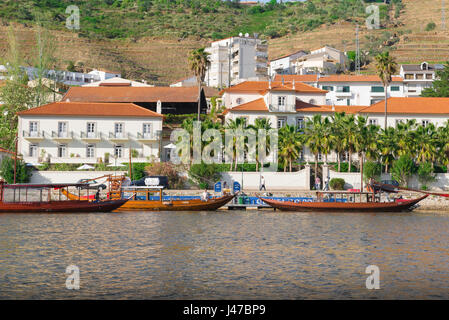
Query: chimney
x=282, y=80
x=159, y=107
x=333, y=106
x=269, y=84
x=294, y=88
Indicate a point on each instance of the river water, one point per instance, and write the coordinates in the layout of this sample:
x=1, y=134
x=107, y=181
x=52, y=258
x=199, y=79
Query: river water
x=225, y=255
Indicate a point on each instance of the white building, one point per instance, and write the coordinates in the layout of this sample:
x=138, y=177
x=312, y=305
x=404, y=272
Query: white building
x=73, y=78
x=418, y=77
x=85, y=132
x=326, y=60
x=185, y=82
x=117, y=82
x=236, y=59
x=285, y=64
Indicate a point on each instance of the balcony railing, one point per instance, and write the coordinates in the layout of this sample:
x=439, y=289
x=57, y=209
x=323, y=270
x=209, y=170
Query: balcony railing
x=283, y=108
x=262, y=47
x=152, y=136
x=91, y=136
x=34, y=135
x=116, y=136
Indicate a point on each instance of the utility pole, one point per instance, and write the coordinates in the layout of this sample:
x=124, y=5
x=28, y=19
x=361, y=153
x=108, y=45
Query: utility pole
x=357, y=50
x=229, y=63
x=443, y=18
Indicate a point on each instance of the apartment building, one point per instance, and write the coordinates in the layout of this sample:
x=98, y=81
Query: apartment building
x=285, y=65
x=418, y=77
x=236, y=59
x=326, y=60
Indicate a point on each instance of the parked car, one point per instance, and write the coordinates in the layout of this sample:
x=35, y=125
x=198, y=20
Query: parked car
x=88, y=181
x=392, y=182
x=151, y=181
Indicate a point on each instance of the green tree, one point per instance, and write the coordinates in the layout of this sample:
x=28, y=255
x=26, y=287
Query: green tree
x=290, y=145
x=23, y=172
x=386, y=66
x=372, y=170
x=199, y=62
x=402, y=169
x=440, y=86
x=426, y=174
x=261, y=124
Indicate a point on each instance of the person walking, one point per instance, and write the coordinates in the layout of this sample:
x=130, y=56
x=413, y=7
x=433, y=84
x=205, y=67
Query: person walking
x=262, y=184
x=317, y=183
x=326, y=184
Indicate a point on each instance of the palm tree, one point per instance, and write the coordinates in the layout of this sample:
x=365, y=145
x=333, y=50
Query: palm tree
x=443, y=143
x=388, y=147
x=338, y=135
x=426, y=146
x=290, y=145
x=349, y=137
x=199, y=62
x=235, y=124
x=317, y=137
x=386, y=66
x=261, y=124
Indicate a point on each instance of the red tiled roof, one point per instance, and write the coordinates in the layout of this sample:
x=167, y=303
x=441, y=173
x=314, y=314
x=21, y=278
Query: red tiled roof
x=132, y=94
x=355, y=78
x=115, y=84
x=262, y=87
x=413, y=105
x=91, y=109
x=287, y=55
x=255, y=105
x=296, y=77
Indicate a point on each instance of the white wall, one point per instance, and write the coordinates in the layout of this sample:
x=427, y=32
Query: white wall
x=273, y=180
x=39, y=177
x=77, y=147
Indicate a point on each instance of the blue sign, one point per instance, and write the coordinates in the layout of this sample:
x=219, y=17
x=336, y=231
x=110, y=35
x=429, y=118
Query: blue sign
x=236, y=187
x=217, y=187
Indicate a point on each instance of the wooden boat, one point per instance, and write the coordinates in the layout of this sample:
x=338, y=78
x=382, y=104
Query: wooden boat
x=140, y=201
x=327, y=201
x=29, y=198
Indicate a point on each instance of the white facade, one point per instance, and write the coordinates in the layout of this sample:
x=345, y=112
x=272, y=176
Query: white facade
x=187, y=82
x=418, y=77
x=236, y=59
x=358, y=93
x=285, y=64
x=117, y=81
x=326, y=60
x=73, y=78
x=88, y=139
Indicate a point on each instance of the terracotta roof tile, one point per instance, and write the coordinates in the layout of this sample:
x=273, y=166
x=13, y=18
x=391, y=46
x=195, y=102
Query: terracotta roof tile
x=355, y=78
x=91, y=109
x=132, y=94
x=262, y=87
x=256, y=105
x=296, y=77
x=413, y=105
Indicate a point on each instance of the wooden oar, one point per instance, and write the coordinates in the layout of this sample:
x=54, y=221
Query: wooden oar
x=414, y=190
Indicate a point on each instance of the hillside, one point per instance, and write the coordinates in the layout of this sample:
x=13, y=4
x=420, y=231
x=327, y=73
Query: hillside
x=150, y=39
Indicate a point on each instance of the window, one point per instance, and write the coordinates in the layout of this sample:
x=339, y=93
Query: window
x=33, y=129
x=239, y=101
x=328, y=88
x=146, y=129
x=344, y=156
x=395, y=88
x=312, y=101
x=62, y=129
x=429, y=76
x=91, y=128
x=348, y=102
x=33, y=150
x=300, y=123
x=419, y=76
x=62, y=151
x=281, y=122
x=343, y=89
x=320, y=156
x=425, y=123
x=118, y=130
x=372, y=121
x=409, y=76
x=118, y=151
x=281, y=101
x=377, y=89
x=90, y=151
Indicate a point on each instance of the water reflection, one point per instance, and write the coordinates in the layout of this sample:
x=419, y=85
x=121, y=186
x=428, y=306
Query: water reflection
x=224, y=255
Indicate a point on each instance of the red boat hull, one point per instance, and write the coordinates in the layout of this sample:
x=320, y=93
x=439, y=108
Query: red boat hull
x=404, y=205
x=68, y=206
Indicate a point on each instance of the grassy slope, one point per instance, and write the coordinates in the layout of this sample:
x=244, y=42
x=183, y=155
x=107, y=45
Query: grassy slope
x=163, y=59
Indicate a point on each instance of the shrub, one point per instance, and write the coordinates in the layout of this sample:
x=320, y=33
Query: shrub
x=138, y=171
x=371, y=170
x=425, y=174
x=23, y=173
x=344, y=167
x=431, y=26
x=205, y=174
x=168, y=169
x=337, y=184
x=402, y=170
